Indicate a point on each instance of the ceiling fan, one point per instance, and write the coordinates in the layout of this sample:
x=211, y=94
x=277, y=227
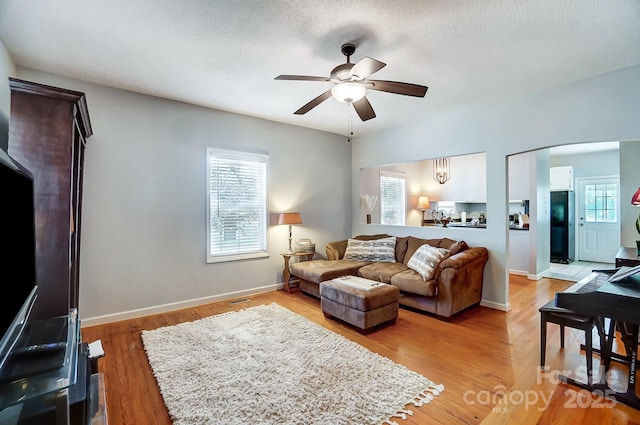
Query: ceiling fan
x=351, y=81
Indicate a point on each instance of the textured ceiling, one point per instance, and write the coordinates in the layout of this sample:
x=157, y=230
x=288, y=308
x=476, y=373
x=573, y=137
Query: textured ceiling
x=225, y=54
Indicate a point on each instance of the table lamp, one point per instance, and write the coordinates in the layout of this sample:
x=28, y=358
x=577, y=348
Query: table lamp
x=423, y=204
x=289, y=218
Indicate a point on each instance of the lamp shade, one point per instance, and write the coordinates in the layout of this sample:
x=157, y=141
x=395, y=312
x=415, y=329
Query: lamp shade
x=289, y=218
x=348, y=92
x=635, y=199
x=423, y=203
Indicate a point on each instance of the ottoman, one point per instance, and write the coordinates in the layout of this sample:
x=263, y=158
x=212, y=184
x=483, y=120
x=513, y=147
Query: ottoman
x=363, y=309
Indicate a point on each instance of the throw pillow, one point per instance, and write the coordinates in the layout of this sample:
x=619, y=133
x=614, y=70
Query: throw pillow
x=379, y=250
x=426, y=259
x=457, y=247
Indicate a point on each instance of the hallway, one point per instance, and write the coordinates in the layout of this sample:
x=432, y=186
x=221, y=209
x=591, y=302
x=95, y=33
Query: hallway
x=576, y=270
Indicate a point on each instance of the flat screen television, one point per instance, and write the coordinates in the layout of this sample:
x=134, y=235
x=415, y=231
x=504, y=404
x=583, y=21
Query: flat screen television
x=18, y=286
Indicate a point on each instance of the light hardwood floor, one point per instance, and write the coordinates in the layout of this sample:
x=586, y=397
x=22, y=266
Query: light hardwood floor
x=487, y=360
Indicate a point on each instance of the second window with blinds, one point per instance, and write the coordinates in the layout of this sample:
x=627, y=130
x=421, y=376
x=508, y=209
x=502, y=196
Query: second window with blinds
x=393, y=198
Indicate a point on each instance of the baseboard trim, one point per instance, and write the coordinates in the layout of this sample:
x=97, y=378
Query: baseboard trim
x=518, y=272
x=496, y=306
x=537, y=276
x=131, y=314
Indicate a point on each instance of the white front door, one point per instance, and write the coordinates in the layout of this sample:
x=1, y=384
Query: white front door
x=598, y=219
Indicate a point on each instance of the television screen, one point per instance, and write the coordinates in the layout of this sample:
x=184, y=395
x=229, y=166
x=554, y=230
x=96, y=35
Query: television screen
x=17, y=251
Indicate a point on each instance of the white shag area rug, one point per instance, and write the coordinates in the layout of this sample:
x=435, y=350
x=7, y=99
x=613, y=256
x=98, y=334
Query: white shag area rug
x=268, y=365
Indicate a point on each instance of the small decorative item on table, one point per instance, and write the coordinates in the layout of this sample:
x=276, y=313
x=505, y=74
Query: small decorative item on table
x=305, y=245
x=369, y=201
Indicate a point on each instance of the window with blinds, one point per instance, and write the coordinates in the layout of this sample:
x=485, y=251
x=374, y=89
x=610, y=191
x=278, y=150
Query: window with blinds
x=237, y=205
x=393, y=200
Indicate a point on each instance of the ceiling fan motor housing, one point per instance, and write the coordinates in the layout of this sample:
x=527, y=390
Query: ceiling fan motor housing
x=341, y=73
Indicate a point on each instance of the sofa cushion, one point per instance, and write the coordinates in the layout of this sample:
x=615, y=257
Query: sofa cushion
x=414, y=243
x=381, y=272
x=319, y=270
x=426, y=259
x=401, y=248
x=378, y=250
x=411, y=281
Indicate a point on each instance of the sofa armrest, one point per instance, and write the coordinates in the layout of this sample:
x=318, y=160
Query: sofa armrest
x=460, y=280
x=463, y=258
x=336, y=250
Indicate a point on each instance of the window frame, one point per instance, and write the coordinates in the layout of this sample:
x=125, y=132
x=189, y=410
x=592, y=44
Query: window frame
x=262, y=245
x=597, y=208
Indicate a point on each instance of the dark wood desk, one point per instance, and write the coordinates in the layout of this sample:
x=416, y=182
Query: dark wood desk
x=627, y=257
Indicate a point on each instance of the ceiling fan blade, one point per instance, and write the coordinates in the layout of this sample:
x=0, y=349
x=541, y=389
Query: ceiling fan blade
x=301, y=78
x=365, y=67
x=396, y=87
x=313, y=103
x=364, y=109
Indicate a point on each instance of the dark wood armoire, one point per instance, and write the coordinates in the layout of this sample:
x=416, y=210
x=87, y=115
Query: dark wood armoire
x=48, y=129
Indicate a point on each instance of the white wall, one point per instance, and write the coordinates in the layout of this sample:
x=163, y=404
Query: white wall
x=592, y=164
x=7, y=69
x=602, y=108
x=629, y=183
x=144, y=227
x=520, y=178
x=540, y=227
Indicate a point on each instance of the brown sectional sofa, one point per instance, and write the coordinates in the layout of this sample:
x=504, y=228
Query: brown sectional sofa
x=456, y=285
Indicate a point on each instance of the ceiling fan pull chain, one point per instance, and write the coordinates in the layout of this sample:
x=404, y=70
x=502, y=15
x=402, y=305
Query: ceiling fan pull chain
x=349, y=123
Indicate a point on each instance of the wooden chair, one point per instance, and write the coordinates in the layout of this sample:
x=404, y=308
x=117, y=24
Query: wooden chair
x=550, y=313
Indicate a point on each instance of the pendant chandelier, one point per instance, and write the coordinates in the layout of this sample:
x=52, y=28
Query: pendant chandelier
x=441, y=170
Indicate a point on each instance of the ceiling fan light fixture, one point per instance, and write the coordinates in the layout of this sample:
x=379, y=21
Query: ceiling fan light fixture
x=348, y=92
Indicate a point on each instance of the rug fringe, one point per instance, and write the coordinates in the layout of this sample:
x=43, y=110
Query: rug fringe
x=421, y=399
x=402, y=414
x=427, y=395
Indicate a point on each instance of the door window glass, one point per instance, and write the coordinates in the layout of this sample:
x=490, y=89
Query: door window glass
x=601, y=203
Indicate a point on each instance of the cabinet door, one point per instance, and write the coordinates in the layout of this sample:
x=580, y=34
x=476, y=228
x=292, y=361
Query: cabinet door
x=561, y=178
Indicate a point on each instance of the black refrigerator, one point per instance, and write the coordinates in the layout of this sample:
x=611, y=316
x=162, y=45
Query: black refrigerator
x=562, y=231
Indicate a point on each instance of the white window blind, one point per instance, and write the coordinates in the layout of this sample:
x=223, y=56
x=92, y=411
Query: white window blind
x=393, y=200
x=237, y=203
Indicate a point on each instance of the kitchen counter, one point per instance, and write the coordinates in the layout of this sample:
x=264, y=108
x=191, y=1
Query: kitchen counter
x=454, y=224
x=469, y=225
x=473, y=226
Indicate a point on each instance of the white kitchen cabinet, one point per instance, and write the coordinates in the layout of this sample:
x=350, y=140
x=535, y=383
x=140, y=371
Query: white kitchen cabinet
x=561, y=178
